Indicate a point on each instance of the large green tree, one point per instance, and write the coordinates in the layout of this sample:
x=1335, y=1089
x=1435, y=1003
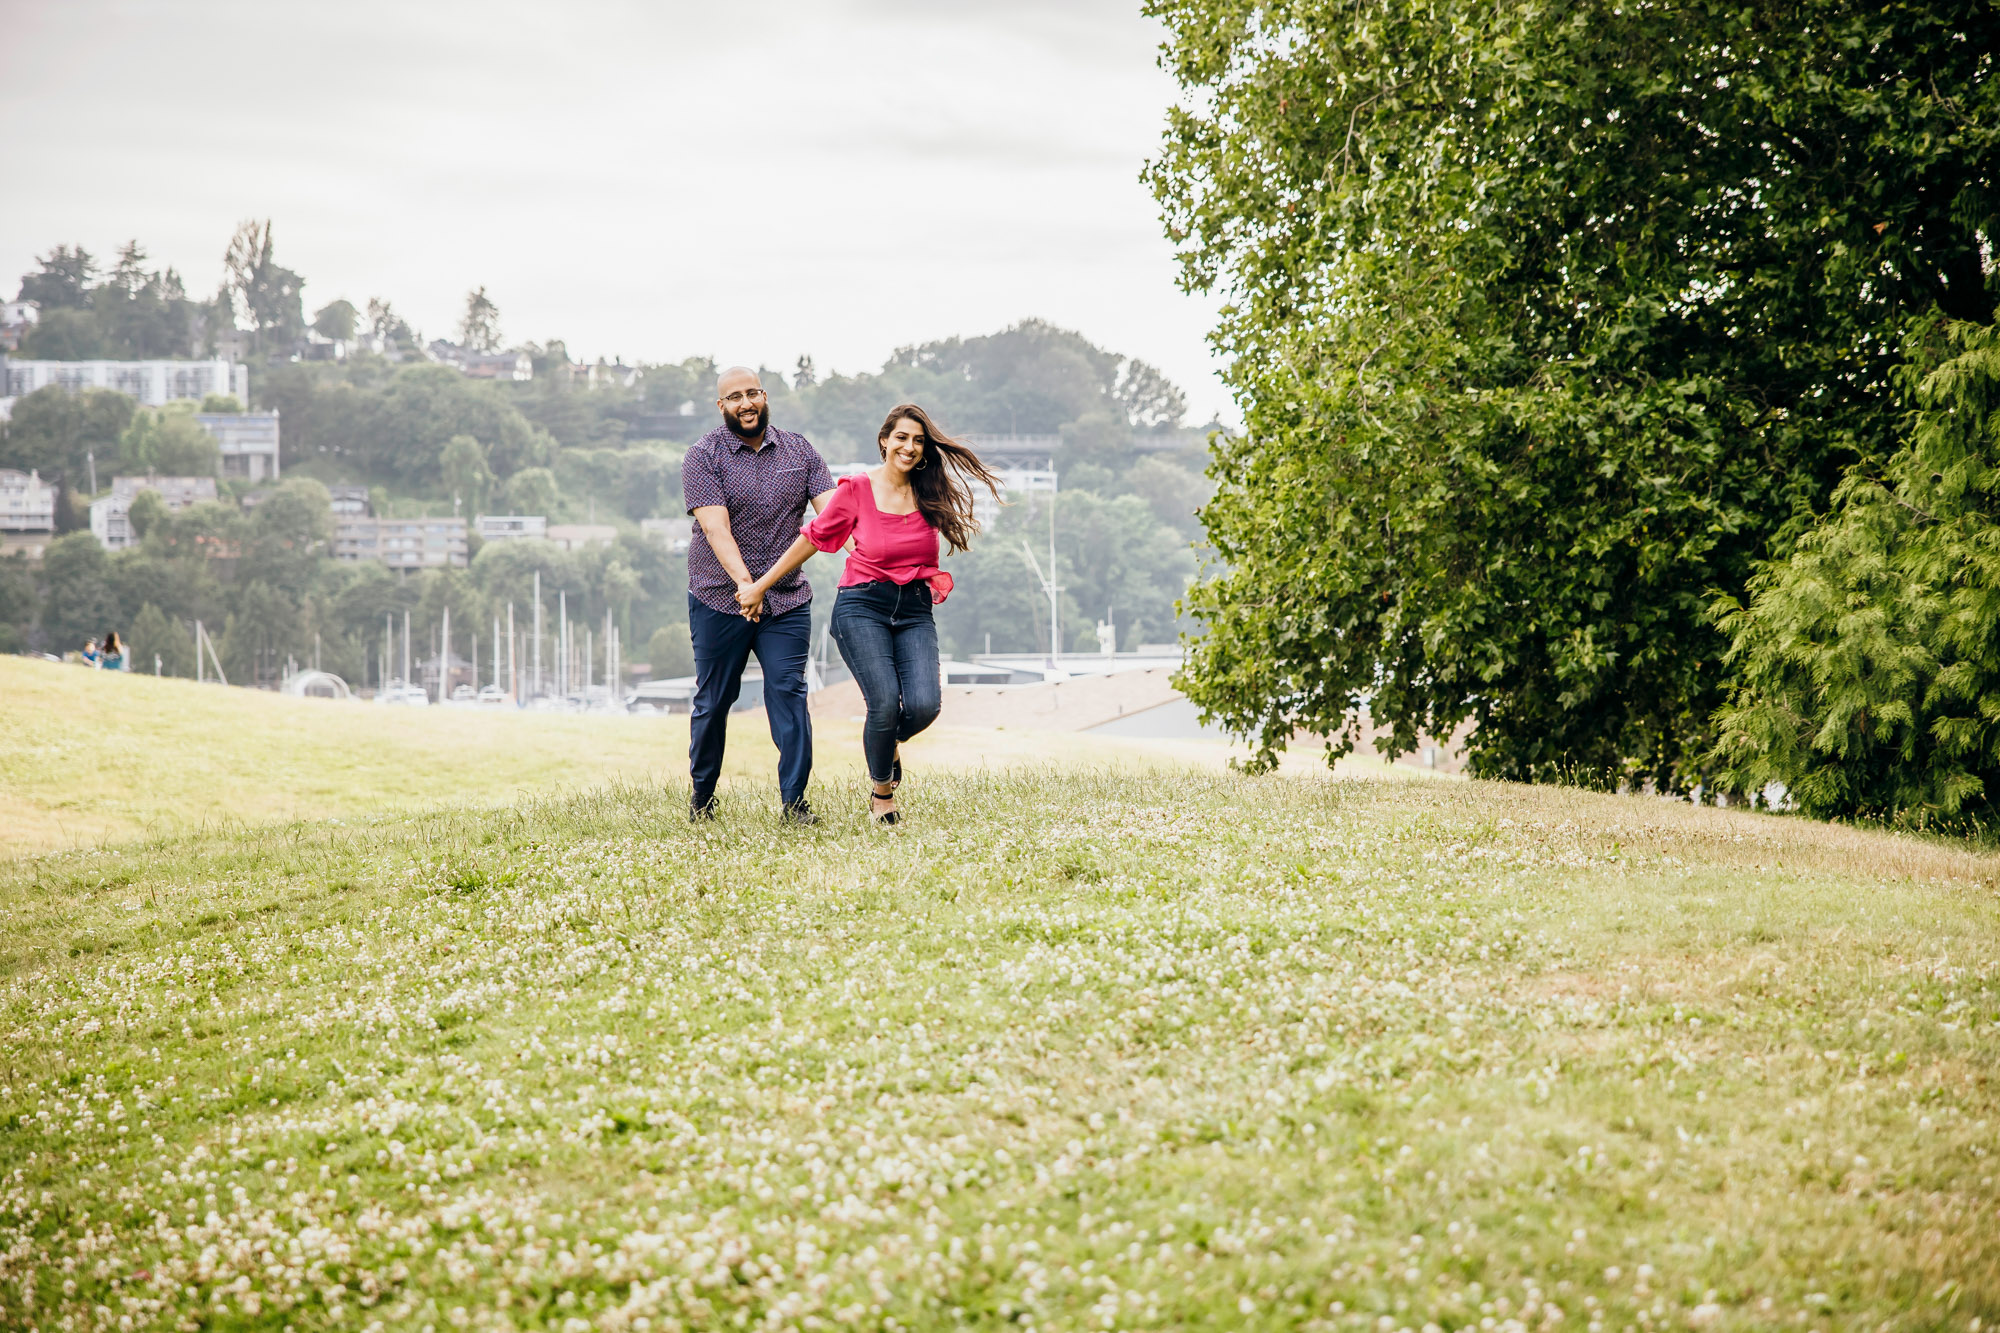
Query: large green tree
x=1547, y=319
x=78, y=602
x=57, y=432
x=1869, y=661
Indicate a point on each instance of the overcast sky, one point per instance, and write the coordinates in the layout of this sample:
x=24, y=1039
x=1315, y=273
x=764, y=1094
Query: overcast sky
x=648, y=180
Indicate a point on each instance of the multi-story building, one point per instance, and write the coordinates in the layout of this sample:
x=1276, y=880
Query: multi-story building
x=154, y=383
x=248, y=441
x=349, y=500
x=510, y=527
x=110, y=519
x=27, y=503
x=401, y=543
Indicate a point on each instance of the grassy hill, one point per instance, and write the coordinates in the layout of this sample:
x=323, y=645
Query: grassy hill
x=87, y=756
x=1077, y=1049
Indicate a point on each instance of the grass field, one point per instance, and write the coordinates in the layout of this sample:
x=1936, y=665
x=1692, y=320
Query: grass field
x=1077, y=1049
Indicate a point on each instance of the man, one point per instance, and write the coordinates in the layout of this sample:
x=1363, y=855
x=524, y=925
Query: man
x=747, y=486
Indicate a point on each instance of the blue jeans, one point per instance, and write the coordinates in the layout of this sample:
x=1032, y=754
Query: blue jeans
x=889, y=641
x=722, y=648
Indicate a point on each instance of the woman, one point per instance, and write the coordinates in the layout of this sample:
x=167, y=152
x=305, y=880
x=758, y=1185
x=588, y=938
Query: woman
x=112, y=656
x=895, y=514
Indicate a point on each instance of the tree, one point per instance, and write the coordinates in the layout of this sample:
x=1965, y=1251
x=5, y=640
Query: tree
x=264, y=627
x=532, y=491
x=402, y=432
x=153, y=635
x=269, y=293
x=18, y=602
x=64, y=335
x=646, y=476
x=479, y=327
x=1175, y=494
x=287, y=533
x=1869, y=679
x=147, y=512
x=62, y=282
x=1151, y=400
x=170, y=442
x=1547, y=320
x=670, y=652
x=55, y=432
x=466, y=475
x=76, y=594
x=384, y=323
x=336, y=321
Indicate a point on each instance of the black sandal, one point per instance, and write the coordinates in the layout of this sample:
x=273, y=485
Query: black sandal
x=882, y=816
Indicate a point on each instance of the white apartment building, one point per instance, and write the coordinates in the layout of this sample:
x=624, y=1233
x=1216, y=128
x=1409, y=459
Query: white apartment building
x=248, y=441
x=401, y=543
x=110, y=517
x=27, y=503
x=154, y=383
x=510, y=527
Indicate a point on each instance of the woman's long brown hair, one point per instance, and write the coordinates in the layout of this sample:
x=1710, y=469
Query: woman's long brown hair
x=943, y=482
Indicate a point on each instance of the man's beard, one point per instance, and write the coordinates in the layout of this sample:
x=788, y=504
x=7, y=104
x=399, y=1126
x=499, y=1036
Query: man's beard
x=763, y=419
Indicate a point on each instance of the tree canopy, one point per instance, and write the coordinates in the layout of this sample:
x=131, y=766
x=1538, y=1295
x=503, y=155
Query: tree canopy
x=1548, y=321
x=1868, y=678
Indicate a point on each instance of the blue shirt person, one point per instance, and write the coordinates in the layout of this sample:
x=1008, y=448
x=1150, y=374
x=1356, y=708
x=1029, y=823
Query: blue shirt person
x=747, y=485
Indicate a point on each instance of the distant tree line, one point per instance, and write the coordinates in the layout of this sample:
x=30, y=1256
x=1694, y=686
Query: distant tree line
x=426, y=438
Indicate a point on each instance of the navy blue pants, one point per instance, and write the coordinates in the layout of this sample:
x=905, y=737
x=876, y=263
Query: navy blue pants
x=722, y=648
x=889, y=641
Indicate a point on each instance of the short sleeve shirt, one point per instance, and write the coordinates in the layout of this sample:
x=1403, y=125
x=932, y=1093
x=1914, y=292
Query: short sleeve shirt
x=766, y=491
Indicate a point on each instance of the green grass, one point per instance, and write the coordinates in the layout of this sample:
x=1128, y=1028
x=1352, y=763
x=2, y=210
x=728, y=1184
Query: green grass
x=88, y=756
x=1076, y=1050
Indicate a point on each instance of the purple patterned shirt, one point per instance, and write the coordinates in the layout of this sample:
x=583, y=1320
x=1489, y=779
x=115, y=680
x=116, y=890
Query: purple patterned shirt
x=767, y=491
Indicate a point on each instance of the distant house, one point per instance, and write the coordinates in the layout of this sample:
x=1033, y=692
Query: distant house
x=483, y=365
x=510, y=527
x=16, y=319
x=604, y=374
x=672, y=533
x=27, y=503
x=349, y=501
x=401, y=543
x=576, y=536
x=248, y=441
x=110, y=520
x=153, y=383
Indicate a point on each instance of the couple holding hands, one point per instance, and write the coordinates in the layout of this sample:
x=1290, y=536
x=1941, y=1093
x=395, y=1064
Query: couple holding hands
x=748, y=485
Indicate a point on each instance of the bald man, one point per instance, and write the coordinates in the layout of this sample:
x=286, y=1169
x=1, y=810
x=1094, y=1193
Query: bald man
x=747, y=484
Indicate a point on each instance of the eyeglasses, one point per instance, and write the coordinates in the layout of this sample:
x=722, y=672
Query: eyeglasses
x=742, y=396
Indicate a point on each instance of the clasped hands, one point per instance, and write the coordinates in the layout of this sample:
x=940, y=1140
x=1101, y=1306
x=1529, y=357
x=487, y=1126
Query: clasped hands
x=749, y=599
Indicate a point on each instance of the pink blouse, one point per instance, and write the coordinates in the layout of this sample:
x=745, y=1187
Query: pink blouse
x=888, y=548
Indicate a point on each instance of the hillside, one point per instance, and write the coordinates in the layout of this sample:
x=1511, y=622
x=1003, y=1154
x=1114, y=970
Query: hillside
x=87, y=757
x=1076, y=1049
